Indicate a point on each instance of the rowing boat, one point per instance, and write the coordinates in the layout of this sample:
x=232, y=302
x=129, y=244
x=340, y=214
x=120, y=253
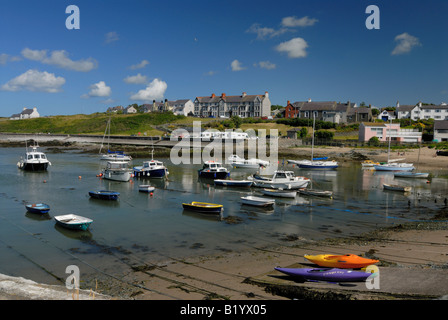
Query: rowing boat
x=203, y=207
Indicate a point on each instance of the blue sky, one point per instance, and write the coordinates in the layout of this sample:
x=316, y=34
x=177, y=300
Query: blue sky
x=136, y=51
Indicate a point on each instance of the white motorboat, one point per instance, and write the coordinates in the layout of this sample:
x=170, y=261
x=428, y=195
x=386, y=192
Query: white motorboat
x=254, y=163
x=117, y=170
x=34, y=160
x=279, y=193
x=257, y=201
x=280, y=180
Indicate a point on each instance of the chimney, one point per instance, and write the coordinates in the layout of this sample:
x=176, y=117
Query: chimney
x=288, y=103
x=223, y=95
x=266, y=94
x=213, y=95
x=309, y=99
x=244, y=94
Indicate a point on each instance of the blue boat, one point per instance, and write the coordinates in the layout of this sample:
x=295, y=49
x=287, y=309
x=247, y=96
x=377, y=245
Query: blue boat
x=104, y=194
x=327, y=274
x=151, y=169
x=38, y=208
x=74, y=222
x=213, y=170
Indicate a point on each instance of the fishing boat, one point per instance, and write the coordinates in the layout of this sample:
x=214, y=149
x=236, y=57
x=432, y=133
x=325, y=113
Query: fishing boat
x=257, y=201
x=203, y=207
x=117, y=170
x=345, y=261
x=213, y=170
x=316, y=193
x=34, y=160
x=279, y=193
x=326, y=274
x=72, y=221
x=151, y=169
x=395, y=187
x=280, y=180
x=146, y=188
x=238, y=162
x=233, y=183
x=38, y=208
x=104, y=195
x=112, y=155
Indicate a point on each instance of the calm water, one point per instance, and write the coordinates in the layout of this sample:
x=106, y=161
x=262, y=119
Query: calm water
x=140, y=228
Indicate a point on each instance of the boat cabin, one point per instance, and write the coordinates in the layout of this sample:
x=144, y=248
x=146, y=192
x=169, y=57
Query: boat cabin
x=152, y=164
x=117, y=165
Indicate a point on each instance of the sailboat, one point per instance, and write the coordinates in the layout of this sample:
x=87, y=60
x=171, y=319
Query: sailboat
x=112, y=155
x=316, y=164
x=393, y=165
x=408, y=174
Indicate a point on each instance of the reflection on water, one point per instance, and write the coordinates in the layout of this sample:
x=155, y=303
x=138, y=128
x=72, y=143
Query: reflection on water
x=156, y=227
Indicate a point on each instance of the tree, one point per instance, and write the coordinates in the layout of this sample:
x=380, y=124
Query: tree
x=374, y=141
x=236, y=121
x=302, y=133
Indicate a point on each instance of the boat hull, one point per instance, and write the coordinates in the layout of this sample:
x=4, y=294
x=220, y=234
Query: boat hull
x=123, y=176
x=73, y=222
x=156, y=173
x=318, y=165
x=202, y=207
x=28, y=166
x=396, y=188
x=233, y=183
x=416, y=175
x=38, y=208
x=348, y=261
x=269, y=184
x=104, y=195
x=213, y=174
x=279, y=193
x=326, y=274
x=257, y=202
x=146, y=188
x=393, y=168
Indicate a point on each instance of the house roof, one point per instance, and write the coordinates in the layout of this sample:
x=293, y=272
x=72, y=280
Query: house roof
x=359, y=110
x=441, y=125
x=241, y=98
x=27, y=111
x=405, y=108
x=374, y=124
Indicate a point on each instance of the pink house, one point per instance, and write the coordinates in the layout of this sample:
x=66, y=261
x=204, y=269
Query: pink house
x=384, y=130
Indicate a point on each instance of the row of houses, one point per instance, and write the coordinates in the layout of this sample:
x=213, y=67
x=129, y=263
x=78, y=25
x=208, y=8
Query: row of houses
x=416, y=112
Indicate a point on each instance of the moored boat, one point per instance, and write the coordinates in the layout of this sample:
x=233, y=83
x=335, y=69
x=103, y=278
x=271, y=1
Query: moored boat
x=104, y=194
x=308, y=164
x=74, y=222
x=326, y=274
x=406, y=174
x=117, y=170
x=238, y=162
x=203, y=207
x=151, y=169
x=34, y=160
x=233, y=183
x=280, y=180
x=38, y=208
x=257, y=201
x=213, y=170
x=395, y=187
x=346, y=261
x=279, y=193
x=146, y=188
x=394, y=166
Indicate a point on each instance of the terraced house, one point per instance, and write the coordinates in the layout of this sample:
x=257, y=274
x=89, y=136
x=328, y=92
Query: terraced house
x=225, y=106
x=422, y=111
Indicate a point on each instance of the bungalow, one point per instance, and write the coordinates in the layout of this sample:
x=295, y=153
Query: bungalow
x=383, y=131
x=26, y=114
x=441, y=130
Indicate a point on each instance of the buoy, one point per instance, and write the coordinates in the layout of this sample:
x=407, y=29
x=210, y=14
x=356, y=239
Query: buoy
x=151, y=194
x=45, y=181
x=79, y=177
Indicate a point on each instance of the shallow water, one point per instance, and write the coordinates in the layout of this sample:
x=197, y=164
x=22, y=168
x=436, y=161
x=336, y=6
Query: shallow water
x=143, y=229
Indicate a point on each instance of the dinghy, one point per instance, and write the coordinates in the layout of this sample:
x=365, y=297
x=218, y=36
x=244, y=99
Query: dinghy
x=74, y=222
x=38, y=208
x=104, y=195
x=233, y=183
x=326, y=274
x=279, y=193
x=203, y=207
x=257, y=201
x=146, y=188
x=395, y=187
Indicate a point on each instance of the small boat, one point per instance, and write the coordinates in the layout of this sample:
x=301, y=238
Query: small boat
x=118, y=171
x=238, y=162
x=257, y=201
x=279, y=193
x=350, y=261
x=394, y=166
x=307, y=164
x=298, y=162
x=368, y=164
x=233, y=183
x=146, y=188
x=416, y=175
x=72, y=221
x=38, y=208
x=326, y=274
x=316, y=193
x=280, y=180
x=213, y=170
x=104, y=194
x=34, y=160
x=152, y=169
x=203, y=207
x=395, y=187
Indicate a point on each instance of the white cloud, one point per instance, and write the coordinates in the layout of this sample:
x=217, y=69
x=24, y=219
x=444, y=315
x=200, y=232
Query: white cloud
x=154, y=91
x=266, y=65
x=236, y=65
x=111, y=37
x=4, y=58
x=137, y=79
x=34, y=80
x=295, y=48
x=140, y=65
x=265, y=32
x=99, y=89
x=294, y=22
x=60, y=59
x=405, y=43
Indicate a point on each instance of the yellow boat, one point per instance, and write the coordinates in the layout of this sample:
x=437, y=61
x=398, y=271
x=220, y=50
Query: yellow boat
x=340, y=261
x=203, y=207
x=369, y=163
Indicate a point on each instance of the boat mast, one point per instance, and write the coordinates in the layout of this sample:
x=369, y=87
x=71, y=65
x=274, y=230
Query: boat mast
x=312, y=143
x=388, y=150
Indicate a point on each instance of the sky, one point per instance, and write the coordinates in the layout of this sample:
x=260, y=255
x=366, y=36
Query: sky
x=118, y=52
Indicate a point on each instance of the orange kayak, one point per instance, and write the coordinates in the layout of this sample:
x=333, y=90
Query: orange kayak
x=340, y=261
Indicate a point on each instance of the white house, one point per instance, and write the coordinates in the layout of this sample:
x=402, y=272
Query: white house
x=130, y=109
x=386, y=115
x=182, y=107
x=421, y=112
x=26, y=114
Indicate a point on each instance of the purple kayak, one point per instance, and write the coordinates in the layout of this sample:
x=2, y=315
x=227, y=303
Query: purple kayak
x=326, y=274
